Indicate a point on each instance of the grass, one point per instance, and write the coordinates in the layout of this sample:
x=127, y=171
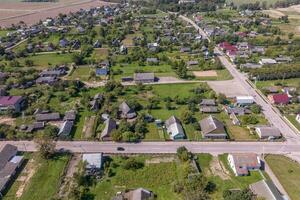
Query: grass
x=223, y=74
x=292, y=119
x=45, y=182
x=130, y=69
x=293, y=82
x=288, y=173
x=240, y=2
x=82, y=73
x=149, y=177
x=43, y=61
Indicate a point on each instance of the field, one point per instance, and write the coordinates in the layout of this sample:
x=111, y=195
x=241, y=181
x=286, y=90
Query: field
x=288, y=173
x=31, y=13
x=44, y=183
x=149, y=177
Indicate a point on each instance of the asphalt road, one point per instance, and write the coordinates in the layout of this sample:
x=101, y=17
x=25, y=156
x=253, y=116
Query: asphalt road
x=166, y=147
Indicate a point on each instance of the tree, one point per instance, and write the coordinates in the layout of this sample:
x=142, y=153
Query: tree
x=195, y=188
x=28, y=63
x=46, y=147
x=249, y=119
x=256, y=109
x=133, y=164
x=183, y=154
x=187, y=117
x=116, y=136
x=222, y=99
x=244, y=194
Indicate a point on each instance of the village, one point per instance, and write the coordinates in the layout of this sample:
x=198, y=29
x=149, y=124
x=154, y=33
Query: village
x=134, y=73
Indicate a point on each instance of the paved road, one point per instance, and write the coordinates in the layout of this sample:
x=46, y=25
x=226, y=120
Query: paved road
x=167, y=147
x=271, y=113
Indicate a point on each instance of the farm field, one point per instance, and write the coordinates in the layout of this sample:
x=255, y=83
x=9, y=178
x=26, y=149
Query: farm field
x=239, y=2
x=288, y=173
x=46, y=178
x=31, y=13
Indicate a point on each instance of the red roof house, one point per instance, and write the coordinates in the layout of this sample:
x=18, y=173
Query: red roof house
x=227, y=46
x=279, y=98
x=11, y=102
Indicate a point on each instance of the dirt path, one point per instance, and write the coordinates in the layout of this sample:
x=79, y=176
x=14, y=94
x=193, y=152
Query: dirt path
x=28, y=172
x=71, y=169
x=88, y=126
x=218, y=169
x=7, y=120
x=160, y=160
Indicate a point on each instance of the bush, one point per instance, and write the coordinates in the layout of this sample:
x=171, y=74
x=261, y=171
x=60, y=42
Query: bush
x=133, y=164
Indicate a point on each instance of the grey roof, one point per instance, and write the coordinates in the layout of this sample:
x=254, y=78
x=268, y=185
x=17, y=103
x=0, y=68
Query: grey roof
x=174, y=127
x=143, y=76
x=211, y=125
x=70, y=115
x=208, y=102
x=209, y=109
x=244, y=162
x=237, y=110
x=266, y=189
x=47, y=80
x=154, y=60
x=110, y=125
x=192, y=62
x=267, y=131
x=66, y=128
x=47, y=117
x=6, y=154
x=94, y=160
x=138, y=194
x=127, y=112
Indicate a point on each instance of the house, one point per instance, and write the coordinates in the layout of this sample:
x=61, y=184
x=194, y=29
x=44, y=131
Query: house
x=258, y=49
x=298, y=118
x=237, y=110
x=34, y=127
x=192, y=63
x=281, y=99
x=242, y=163
x=139, y=194
x=267, y=61
x=104, y=64
x=152, y=61
x=102, y=71
x=70, y=115
x=266, y=189
x=185, y=49
x=93, y=162
x=211, y=128
x=174, y=128
x=272, y=89
x=186, y=1
x=64, y=43
x=283, y=59
x=65, y=129
x=46, y=117
x=126, y=111
x=244, y=100
x=266, y=132
x=15, y=103
x=250, y=66
x=46, y=80
x=144, y=77
x=96, y=102
x=225, y=46
x=9, y=164
x=110, y=125
x=209, y=109
x=208, y=102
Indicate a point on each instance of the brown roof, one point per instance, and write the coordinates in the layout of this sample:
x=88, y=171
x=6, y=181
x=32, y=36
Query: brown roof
x=211, y=125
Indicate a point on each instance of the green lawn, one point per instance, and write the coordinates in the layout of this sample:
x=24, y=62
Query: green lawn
x=149, y=177
x=43, y=61
x=293, y=82
x=240, y=2
x=288, y=173
x=45, y=182
x=292, y=119
x=82, y=73
x=130, y=69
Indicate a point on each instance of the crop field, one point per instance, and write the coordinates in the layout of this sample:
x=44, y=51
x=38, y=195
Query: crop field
x=239, y=2
x=31, y=13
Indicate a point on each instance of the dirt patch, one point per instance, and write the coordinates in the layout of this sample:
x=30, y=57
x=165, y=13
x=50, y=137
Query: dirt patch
x=209, y=73
x=274, y=13
x=230, y=88
x=88, y=129
x=295, y=8
x=32, y=13
x=218, y=169
x=7, y=121
x=27, y=173
x=160, y=160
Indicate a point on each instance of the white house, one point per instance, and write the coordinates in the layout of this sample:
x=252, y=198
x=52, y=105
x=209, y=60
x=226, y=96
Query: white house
x=267, y=61
x=244, y=100
x=242, y=163
x=298, y=118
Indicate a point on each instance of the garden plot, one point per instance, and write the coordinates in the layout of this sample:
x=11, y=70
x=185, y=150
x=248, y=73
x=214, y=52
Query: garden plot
x=209, y=73
x=89, y=127
x=230, y=88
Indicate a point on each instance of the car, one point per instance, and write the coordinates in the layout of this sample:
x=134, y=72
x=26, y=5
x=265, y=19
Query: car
x=120, y=149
